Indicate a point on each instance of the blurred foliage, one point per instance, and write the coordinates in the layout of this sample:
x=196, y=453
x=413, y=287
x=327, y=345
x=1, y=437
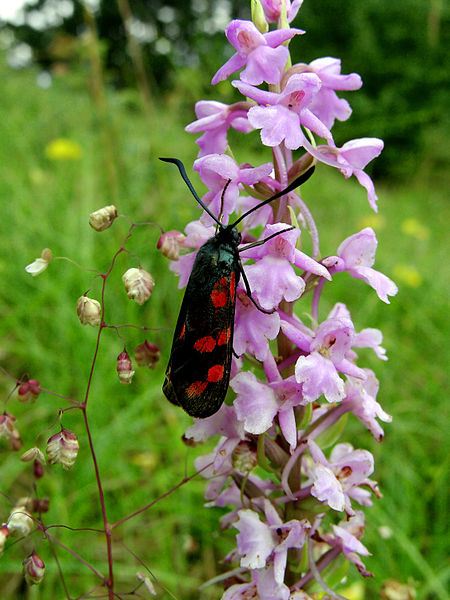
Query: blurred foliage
x=400, y=49
x=171, y=33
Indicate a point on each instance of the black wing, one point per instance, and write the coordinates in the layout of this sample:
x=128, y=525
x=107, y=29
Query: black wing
x=198, y=372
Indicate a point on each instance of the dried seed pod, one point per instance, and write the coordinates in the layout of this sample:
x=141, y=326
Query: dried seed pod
x=41, y=505
x=138, y=284
x=63, y=448
x=124, y=368
x=33, y=454
x=169, y=244
x=26, y=502
x=39, y=264
x=8, y=431
x=89, y=311
x=145, y=578
x=38, y=469
x=4, y=534
x=33, y=569
x=6, y=424
x=20, y=521
x=29, y=391
x=147, y=355
x=103, y=218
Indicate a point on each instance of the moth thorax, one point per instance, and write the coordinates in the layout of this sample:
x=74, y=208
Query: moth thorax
x=230, y=234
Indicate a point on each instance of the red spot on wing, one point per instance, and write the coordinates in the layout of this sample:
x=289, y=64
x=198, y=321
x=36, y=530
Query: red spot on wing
x=219, y=295
x=182, y=332
x=219, y=299
x=215, y=373
x=205, y=344
x=224, y=337
x=196, y=388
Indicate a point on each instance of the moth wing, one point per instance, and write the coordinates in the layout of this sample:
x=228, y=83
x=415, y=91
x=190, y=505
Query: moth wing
x=198, y=372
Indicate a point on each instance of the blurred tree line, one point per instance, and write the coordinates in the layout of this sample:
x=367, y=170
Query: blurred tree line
x=399, y=48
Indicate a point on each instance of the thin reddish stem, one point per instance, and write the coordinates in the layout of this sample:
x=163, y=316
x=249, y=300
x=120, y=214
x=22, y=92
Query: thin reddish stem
x=144, y=508
x=106, y=526
x=67, y=549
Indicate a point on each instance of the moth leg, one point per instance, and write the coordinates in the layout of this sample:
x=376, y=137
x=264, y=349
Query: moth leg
x=244, y=277
x=249, y=292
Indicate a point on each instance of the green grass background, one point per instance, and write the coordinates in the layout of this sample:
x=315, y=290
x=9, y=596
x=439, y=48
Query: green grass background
x=137, y=434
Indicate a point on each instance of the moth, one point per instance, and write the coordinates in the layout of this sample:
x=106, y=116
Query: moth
x=198, y=372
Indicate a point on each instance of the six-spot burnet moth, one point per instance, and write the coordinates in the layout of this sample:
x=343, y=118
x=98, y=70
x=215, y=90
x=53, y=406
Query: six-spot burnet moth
x=198, y=372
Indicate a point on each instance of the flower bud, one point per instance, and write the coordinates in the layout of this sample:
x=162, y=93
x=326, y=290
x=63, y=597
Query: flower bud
x=20, y=521
x=300, y=166
x=258, y=17
x=33, y=569
x=138, y=284
x=89, y=311
x=274, y=10
x=147, y=355
x=103, y=218
x=9, y=432
x=4, y=533
x=260, y=190
x=39, y=264
x=169, y=244
x=63, y=448
x=29, y=391
x=124, y=368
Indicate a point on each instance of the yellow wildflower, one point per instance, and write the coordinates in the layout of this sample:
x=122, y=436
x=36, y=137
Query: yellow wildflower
x=374, y=221
x=407, y=274
x=415, y=229
x=63, y=149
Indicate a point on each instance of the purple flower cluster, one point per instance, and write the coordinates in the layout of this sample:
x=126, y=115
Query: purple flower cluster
x=279, y=464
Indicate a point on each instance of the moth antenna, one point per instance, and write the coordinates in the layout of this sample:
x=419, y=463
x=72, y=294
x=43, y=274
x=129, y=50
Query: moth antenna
x=299, y=181
x=187, y=181
x=261, y=242
x=222, y=199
